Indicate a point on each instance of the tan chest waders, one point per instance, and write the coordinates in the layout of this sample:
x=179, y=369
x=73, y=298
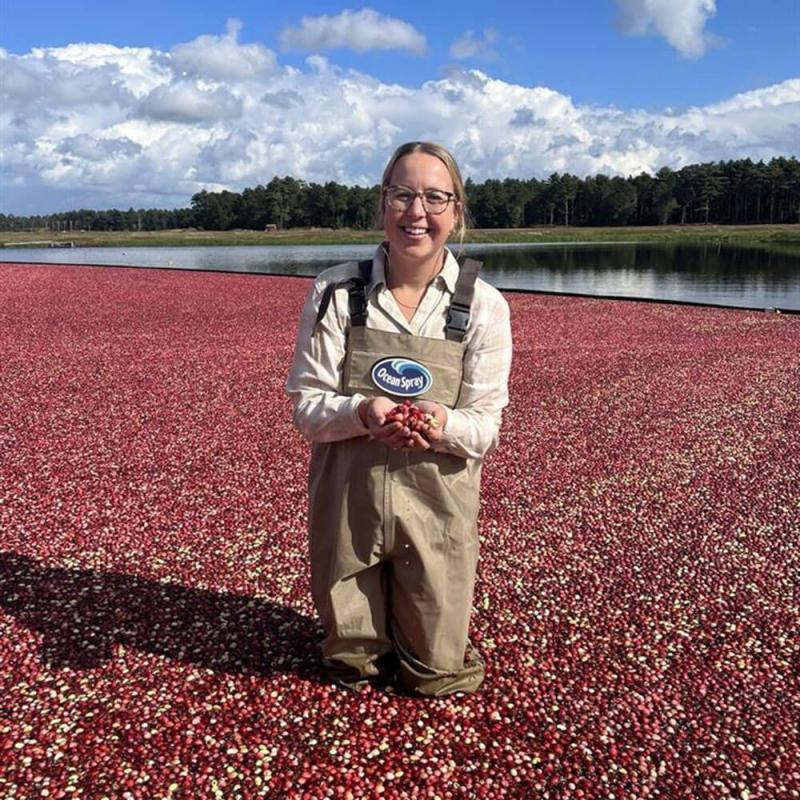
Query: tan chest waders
x=393, y=534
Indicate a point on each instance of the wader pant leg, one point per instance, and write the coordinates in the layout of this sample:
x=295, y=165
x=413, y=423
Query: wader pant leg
x=348, y=573
x=434, y=551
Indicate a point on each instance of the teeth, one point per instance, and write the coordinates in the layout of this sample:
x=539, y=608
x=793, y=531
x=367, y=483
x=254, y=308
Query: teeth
x=415, y=230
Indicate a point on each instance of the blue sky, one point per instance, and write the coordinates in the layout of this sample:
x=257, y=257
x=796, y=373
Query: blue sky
x=616, y=86
x=573, y=47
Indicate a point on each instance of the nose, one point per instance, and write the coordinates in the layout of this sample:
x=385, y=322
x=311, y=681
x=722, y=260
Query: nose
x=414, y=208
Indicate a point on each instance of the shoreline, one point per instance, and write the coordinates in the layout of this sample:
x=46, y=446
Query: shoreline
x=785, y=237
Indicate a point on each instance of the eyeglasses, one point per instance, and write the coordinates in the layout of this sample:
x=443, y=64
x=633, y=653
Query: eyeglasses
x=434, y=201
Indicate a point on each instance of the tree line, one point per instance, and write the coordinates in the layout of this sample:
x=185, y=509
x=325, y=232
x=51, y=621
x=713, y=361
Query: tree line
x=725, y=192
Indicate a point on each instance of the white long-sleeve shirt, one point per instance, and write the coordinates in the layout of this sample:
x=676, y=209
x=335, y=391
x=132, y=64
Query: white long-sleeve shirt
x=323, y=414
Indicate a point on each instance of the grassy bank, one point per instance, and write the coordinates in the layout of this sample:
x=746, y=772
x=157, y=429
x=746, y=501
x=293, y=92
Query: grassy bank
x=783, y=236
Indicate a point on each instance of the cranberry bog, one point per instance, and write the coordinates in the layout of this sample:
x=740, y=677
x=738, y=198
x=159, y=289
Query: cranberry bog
x=638, y=596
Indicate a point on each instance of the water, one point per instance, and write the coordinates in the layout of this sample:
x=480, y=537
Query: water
x=699, y=273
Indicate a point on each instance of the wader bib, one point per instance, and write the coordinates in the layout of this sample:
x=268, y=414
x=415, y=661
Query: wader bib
x=393, y=534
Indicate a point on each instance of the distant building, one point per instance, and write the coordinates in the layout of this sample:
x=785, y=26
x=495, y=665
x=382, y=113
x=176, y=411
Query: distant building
x=270, y=226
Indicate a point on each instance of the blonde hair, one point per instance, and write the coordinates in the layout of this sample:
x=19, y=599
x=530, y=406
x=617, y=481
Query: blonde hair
x=446, y=157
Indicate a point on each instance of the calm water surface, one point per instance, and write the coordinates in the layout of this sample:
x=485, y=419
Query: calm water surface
x=699, y=273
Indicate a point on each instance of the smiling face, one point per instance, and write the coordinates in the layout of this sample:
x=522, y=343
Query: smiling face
x=417, y=238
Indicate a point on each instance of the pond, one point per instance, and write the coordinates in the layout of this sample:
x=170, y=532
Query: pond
x=697, y=273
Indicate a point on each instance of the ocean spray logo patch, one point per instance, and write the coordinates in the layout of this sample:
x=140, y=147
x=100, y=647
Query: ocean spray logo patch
x=401, y=376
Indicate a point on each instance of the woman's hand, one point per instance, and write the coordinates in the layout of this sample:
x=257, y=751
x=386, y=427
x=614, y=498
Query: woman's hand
x=433, y=433
x=373, y=413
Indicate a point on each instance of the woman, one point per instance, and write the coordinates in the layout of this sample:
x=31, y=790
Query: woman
x=393, y=511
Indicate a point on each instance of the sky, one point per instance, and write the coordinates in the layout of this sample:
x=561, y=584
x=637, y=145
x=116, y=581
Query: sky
x=144, y=104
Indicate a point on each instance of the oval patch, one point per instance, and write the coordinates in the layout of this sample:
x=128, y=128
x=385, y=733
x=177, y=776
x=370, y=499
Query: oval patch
x=401, y=376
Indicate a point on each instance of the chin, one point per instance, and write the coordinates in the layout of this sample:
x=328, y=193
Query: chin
x=424, y=248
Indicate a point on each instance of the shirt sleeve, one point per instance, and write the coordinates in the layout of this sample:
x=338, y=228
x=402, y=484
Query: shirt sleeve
x=472, y=429
x=321, y=413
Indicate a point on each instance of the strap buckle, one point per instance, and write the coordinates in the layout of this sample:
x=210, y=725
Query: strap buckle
x=457, y=317
x=357, y=302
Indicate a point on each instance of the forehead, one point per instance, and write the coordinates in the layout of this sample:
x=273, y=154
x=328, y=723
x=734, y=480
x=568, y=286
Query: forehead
x=421, y=171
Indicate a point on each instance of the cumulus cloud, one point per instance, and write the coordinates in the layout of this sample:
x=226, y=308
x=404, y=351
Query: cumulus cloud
x=222, y=57
x=90, y=148
x=53, y=77
x=356, y=30
x=522, y=118
x=286, y=99
x=146, y=131
x=185, y=101
x=680, y=22
x=469, y=46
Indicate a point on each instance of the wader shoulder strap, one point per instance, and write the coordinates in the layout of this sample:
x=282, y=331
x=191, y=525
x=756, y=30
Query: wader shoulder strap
x=356, y=296
x=458, y=313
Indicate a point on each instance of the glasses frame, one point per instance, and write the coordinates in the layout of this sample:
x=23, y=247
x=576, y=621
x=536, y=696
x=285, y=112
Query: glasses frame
x=451, y=197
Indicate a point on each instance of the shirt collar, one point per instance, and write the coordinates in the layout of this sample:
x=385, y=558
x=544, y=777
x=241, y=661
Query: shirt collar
x=449, y=273
x=378, y=274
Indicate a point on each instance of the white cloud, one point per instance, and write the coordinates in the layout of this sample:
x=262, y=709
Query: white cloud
x=90, y=148
x=136, y=69
x=779, y=94
x=52, y=78
x=98, y=126
x=357, y=30
x=185, y=101
x=468, y=46
x=680, y=22
x=285, y=99
x=222, y=57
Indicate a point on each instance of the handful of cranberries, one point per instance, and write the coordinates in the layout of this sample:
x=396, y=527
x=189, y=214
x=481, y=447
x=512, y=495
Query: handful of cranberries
x=412, y=416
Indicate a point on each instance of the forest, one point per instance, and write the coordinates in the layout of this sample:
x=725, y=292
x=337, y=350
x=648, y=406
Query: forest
x=726, y=192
